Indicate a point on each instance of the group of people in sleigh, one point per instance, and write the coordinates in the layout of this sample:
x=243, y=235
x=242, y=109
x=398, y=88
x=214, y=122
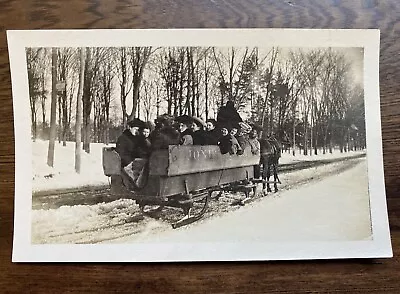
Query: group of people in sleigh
x=228, y=131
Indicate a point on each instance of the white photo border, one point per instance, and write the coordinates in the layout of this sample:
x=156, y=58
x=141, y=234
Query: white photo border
x=25, y=251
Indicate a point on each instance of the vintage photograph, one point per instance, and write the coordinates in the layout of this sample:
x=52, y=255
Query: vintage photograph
x=150, y=144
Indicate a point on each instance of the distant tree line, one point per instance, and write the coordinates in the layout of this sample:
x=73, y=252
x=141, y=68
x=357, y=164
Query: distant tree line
x=306, y=97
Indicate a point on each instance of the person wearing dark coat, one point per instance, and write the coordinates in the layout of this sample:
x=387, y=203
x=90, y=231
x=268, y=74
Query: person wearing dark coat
x=164, y=133
x=212, y=133
x=128, y=141
x=132, y=162
x=228, y=116
x=144, y=144
x=228, y=143
x=198, y=133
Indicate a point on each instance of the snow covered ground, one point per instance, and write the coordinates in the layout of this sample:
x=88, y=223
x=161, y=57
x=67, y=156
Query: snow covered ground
x=327, y=202
x=63, y=174
x=335, y=208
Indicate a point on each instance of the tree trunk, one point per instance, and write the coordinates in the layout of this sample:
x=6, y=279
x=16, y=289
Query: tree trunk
x=78, y=123
x=294, y=136
x=65, y=116
x=87, y=103
x=53, y=130
x=305, y=138
x=59, y=126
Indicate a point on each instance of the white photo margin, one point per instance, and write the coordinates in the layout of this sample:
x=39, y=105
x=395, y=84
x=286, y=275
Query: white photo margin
x=24, y=251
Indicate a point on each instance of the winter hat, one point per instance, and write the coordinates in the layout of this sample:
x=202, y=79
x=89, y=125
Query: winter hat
x=246, y=128
x=184, y=119
x=213, y=121
x=199, y=122
x=165, y=119
x=136, y=123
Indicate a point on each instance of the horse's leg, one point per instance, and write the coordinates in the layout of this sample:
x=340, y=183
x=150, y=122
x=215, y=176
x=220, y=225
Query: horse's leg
x=275, y=167
x=268, y=174
x=263, y=161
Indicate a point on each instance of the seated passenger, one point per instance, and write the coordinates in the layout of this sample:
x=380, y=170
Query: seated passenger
x=184, y=123
x=164, y=133
x=198, y=133
x=212, y=134
x=127, y=142
x=144, y=144
x=228, y=143
x=242, y=139
x=127, y=147
x=253, y=142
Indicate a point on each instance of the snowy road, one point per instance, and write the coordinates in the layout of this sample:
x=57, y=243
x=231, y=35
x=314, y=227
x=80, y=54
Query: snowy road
x=335, y=208
x=307, y=208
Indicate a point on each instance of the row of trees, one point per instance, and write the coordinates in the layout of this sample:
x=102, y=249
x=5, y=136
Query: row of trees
x=307, y=97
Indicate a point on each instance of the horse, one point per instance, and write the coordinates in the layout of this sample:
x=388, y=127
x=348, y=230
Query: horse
x=270, y=153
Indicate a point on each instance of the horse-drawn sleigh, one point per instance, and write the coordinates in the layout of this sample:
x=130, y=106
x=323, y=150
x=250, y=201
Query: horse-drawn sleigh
x=184, y=177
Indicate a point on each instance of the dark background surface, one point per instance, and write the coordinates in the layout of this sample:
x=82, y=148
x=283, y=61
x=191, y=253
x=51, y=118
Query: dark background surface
x=378, y=276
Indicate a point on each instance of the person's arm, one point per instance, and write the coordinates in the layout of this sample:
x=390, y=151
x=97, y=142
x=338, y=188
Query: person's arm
x=122, y=148
x=255, y=147
x=187, y=140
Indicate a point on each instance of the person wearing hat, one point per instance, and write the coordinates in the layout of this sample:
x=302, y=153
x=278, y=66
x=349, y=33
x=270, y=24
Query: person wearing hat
x=128, y=141
x=228, y=143
x=243, y=138
x=198, y=133
x=184, y=123
x=212, y=133
x=164, y=133
x=253, y=141
x=144, y=144
x=128, y=149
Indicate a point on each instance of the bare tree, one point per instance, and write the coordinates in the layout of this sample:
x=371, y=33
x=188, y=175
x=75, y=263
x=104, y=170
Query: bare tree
x=229, y=67
x=94, y=59
x=125, y=79
x=78, y=123
x=64, y=96
x=50, y=154
x=297, y=69
x=36, y=62
x=139, y=59
x=267, y=80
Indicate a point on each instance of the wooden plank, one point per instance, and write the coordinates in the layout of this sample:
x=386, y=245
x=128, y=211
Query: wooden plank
x=180, y=160
x=198, y=181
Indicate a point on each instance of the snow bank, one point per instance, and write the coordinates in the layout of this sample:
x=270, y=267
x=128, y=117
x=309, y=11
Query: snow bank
x=63, y=174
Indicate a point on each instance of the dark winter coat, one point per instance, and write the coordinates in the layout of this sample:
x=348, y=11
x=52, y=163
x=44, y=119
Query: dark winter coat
x=143, y=147
x=228, y=117
x=127, y=147
x=199, y=137
x=212, y=137
x=162, y=138
x=229, y=144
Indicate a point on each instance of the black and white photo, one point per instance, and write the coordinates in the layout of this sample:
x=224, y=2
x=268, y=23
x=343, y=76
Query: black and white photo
x=197, y=145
